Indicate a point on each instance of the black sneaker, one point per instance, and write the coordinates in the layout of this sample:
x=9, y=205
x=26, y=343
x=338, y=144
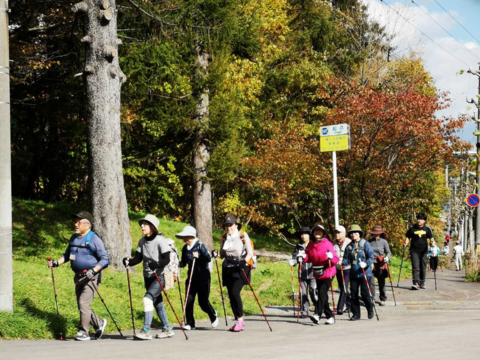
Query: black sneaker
x=354, y=318
x=415, y=287
x=101, y=329
x=370, y=315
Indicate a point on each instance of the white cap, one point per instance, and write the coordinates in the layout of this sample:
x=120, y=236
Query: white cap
x=187, y=231
x=340, y=229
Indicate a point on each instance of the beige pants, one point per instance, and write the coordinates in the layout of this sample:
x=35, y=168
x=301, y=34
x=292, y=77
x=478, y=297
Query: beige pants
x=85, y=293
x=458, y=261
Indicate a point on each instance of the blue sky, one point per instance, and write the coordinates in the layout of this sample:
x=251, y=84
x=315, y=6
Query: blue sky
x=442, y=66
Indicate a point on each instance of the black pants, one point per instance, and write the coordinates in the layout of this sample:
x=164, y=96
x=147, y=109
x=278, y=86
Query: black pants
x=355, y=285
x=202, y=289
x=381, y=276
x=234, y=288
x=322, y=304
x=419, y=267
x=344, y=298
x=434, y=263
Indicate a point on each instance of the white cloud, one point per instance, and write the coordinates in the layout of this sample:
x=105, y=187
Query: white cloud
x=442, y=66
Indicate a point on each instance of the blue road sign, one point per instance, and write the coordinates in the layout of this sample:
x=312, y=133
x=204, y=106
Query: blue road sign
x=473, y=200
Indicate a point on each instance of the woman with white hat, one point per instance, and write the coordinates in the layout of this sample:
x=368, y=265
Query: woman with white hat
x=154, y=250
x=197, y=257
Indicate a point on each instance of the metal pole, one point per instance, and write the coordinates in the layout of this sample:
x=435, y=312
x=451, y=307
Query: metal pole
x=6, y=262
x=335, y=189
x=477, y=221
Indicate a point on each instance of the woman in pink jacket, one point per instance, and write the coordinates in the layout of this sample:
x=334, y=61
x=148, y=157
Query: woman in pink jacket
x=322, y=255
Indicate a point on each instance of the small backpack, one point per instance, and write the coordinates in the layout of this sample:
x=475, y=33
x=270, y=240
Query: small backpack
x=171, y=271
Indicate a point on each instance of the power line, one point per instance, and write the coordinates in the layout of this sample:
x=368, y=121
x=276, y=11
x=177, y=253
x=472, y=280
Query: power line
x=424, y=34
x=464, y=28
x=426, y=13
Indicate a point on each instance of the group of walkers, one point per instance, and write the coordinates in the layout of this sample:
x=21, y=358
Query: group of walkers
x=88, y=257
x=355, y=262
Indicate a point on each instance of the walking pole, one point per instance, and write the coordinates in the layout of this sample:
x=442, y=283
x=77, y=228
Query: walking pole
x=345, y=289
x=370, y=293
x=331, y=283
x=130, y=295
x=221, y=292
x=258, y=302
x=179, y=288
x=188, y=290
x=401, y=265
x=101, y=298
x=171, y=306
x=55, y=293
x=293, y=292
x=391, y=284
x=299, y=290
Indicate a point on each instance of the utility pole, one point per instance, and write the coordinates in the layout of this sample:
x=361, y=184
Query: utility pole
x=477, y=134
x=6, y=261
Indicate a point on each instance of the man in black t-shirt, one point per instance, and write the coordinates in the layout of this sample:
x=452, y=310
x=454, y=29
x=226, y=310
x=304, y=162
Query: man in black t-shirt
x=420, y=236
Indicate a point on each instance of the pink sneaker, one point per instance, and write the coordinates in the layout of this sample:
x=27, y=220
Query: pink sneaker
x=239, y=326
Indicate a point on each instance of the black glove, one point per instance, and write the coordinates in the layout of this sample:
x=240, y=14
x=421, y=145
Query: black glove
x=125, y=261
x=54, y=263
x=90, y=274
x=214, y=253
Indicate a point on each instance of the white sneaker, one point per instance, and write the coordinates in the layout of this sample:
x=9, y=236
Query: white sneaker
x=330, y=321
x=215, y=323
x=101, y=329
x=82, y=336
x=188, y=327
x=315, y=318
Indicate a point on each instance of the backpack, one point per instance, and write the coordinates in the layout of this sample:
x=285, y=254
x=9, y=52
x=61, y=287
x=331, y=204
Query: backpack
x=253, y=261
x=361, y=247
x=88, y=246
x=171, y=272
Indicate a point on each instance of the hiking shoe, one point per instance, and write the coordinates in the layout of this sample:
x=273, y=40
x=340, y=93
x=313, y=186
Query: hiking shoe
x=143, y=334
x=422, y=286
x=415, y=287
x=330, y=321
x=82, y=336
x=239, y=326
x=354, y=318
x=340, y=312
x=188, y=327
x=166, y=333
x=381, y=303
x=215, y=323
x=101, y=329
x=370, y=314
x=315, y=318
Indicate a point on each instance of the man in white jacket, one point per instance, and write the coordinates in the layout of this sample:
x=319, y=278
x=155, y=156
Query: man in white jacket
x=458, y=253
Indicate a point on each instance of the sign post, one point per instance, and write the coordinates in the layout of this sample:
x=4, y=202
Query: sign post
x=335, y=138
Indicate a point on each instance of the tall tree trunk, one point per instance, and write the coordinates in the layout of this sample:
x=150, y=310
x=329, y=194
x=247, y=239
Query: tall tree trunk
x=103, y=79
x=202, y=194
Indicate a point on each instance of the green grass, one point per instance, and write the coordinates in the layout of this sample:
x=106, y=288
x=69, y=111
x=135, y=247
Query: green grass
x=42, y=230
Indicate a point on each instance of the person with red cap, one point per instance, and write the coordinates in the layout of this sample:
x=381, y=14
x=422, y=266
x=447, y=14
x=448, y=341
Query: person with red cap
x=382, y=256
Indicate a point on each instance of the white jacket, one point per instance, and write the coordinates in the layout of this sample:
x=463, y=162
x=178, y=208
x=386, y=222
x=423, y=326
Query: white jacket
x=458, y=250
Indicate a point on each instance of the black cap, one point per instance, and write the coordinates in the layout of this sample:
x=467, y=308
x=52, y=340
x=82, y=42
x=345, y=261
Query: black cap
x=303, y=230
x=84, y=215
x=230, y=219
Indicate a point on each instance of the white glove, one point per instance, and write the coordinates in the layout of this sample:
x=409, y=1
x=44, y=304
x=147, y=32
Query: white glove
x=329, y=255
x=363, y=265
x=386, y=259
x=292, y=262
x=302, y=254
